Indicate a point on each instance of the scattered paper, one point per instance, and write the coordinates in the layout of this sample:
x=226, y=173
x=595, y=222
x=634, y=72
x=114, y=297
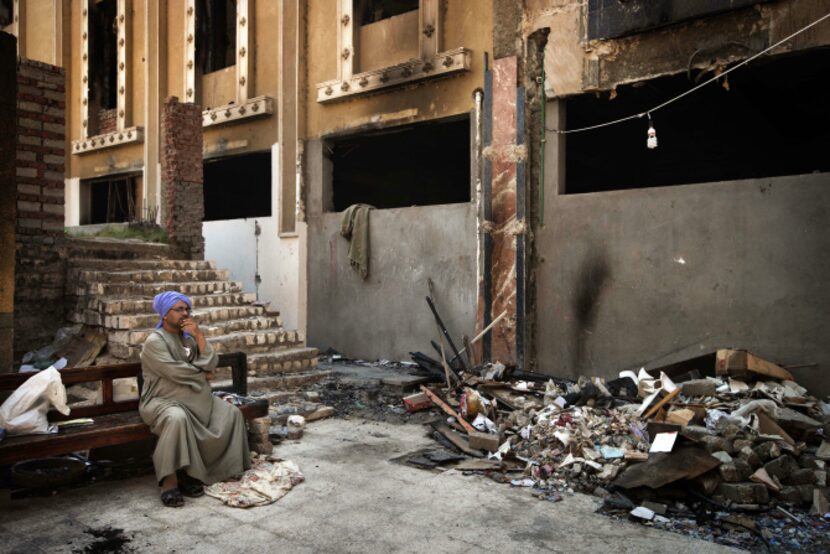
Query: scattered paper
x=631, y=375
x=522, y=482
x=503, y=449
x=663, y=442
x=736, y=386
x=642, y=513
x=611, y=452
x=484, y=424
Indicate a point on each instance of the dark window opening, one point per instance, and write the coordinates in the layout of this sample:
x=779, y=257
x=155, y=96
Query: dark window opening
x=215, y=34
x=238, y=187
x=771, y=121
x=103, y=48
x=112, y=200
x=6, y=13
x=616, y=18
x=414, y=165
x=370, y=11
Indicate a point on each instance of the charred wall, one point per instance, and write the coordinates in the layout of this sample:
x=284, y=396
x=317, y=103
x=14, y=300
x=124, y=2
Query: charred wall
x=645, y=257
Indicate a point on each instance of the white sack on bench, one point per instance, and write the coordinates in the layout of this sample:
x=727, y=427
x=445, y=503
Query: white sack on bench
x=24, y=412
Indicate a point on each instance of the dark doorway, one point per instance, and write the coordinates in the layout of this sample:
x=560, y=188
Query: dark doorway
x=103, y=51
x=215, y=34
x=768, y=119
x=112, y=200
x=413, y=165
x=238, y=187
x=370, y=11
x=6, y=13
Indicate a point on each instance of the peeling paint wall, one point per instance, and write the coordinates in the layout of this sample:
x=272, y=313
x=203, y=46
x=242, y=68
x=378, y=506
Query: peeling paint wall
x=574, y=65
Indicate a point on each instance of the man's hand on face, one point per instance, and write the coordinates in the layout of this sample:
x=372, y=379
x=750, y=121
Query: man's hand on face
x=189, y=326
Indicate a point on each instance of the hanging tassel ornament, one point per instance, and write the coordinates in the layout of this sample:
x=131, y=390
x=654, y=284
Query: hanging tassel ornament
x=651, y=141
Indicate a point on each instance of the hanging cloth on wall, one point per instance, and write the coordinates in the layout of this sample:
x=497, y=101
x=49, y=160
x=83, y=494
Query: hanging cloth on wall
x=355, y=227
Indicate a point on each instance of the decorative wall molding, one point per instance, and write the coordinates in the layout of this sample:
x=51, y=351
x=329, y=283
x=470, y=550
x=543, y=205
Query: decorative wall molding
x=429, y=29
x=19, y=26
x=189, y=92
x=116, y=138
x=123, y=26
x=444, y=64
x=431, y=63
x=346, y=30
x=229, y=113
x=84, y=65
x=244, y=55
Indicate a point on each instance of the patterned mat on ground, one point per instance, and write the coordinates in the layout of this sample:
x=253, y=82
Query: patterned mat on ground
x=268, y=480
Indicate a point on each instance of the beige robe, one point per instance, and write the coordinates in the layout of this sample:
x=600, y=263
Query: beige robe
x=197, y=432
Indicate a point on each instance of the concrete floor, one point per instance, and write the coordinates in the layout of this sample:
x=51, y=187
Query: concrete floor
x=353, y=500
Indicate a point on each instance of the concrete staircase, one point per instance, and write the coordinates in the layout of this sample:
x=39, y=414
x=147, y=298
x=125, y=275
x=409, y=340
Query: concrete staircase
x=111, y=284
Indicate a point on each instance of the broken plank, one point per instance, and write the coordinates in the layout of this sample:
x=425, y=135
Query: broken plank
x=734, y=362
x=635, y=456
x=457, y=440
x=478, y=465
x=447, y=409
x=666, y=399
x=768, y=426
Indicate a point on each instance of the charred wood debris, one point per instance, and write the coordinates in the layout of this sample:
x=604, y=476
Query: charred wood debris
x=725, y=446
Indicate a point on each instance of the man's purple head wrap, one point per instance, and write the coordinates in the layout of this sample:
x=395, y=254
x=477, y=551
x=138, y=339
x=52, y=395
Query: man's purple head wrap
x=166, y=300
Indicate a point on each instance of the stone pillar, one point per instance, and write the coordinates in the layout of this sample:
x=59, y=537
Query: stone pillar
x=8, y=211
x=502, y=284
x=507, y=223
x=181, y=177
x=40, y=270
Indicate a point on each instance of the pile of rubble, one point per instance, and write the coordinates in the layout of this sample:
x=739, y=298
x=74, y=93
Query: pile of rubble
x=723, y=434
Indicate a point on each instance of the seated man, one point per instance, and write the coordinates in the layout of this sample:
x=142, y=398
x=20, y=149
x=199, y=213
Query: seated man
x=201, y=438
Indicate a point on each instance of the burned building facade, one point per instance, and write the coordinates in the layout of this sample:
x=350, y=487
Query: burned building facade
x=463, y=125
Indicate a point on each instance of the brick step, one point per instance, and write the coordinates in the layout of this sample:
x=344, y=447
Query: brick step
x=281, y=382
x=98, y=247
x=205, y=316
x=284, y=361
x=212, y=331
x=148, y=290
x=281, y=362
x=250, y=342
x=278, y=397
x=121, y=305
x=136, y=264
x=77, y=277
x=253, y=342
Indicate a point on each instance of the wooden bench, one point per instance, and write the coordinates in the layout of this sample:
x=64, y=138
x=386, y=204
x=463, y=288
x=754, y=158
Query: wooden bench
x=115, y=422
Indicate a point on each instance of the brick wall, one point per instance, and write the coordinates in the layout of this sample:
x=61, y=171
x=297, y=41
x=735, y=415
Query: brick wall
x=40, y=153
x=181, y=174
x=40, y=148
x=107, y=121
x=8, y=115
